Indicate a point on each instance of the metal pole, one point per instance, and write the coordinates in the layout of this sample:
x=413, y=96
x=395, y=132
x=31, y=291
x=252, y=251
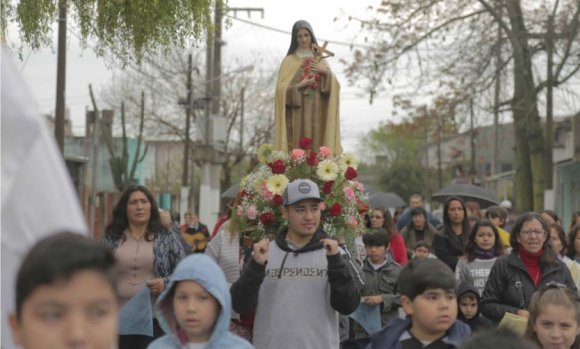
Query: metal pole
x=549, y=106
x=185, y=176
x=60, y=76
x=242, y=131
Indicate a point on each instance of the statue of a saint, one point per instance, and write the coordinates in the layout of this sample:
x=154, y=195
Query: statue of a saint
x=307, y=95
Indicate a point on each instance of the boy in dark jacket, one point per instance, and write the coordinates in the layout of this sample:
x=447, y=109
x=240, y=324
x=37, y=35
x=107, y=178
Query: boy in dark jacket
x=380, y=273
x=468, y=301
x=427, y=289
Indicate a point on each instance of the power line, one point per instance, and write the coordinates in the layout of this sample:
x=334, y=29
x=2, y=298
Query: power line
x=341, y=43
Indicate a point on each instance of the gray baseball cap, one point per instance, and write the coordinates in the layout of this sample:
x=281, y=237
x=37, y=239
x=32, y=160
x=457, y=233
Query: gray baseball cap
x=300, y=189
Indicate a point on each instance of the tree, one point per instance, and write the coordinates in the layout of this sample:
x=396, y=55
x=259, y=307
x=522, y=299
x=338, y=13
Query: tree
x=449, y=43
x=164, y=78
x=399, y=145
x=123, y=30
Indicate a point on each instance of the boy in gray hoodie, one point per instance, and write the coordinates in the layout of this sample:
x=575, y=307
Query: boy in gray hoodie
x=195, y=308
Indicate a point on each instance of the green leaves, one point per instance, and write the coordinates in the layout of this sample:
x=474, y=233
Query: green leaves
x=124, y=29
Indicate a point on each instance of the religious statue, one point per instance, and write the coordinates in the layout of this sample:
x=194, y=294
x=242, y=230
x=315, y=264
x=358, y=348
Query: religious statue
x=307, y=94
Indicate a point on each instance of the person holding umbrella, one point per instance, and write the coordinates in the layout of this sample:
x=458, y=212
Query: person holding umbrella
x=449, y=243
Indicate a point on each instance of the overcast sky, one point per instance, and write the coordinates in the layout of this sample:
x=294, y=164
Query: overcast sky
x=248, y=35
x=252, y=34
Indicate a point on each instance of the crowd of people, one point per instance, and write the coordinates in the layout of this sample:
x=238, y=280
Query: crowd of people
x=432, y=287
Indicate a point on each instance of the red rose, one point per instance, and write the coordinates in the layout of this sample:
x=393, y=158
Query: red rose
x=267, y=218
x=244, y=194
x=350, y=173
x=277, y=166
x=327, y=187
x=312, y=159
x=305, y=143
x=316, y=77
x=314, y=86
x=277, y=200
x=335, y=210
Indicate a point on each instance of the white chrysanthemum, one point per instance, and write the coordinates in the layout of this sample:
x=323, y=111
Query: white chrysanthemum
x=348, y=160
x=327, y=170
x=278, y=155
x=264, y=151
x=277, y=183
x=257, y=184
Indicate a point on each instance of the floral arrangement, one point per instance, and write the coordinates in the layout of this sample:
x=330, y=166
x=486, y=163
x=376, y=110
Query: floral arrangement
x=257, y=208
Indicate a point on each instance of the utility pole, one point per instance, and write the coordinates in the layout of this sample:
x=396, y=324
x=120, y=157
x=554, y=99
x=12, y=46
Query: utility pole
x=472, y=171
x=242, y=97
x=184, y=204
x=439, y=139
x=60, y=76
x=496, y=93
x=549, y=106
x=210, y=177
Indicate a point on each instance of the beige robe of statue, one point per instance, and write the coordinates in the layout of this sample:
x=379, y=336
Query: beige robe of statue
x=306, y=112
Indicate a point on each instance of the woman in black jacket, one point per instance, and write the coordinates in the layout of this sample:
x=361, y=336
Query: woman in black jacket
x=449, y=243
x=530, y=266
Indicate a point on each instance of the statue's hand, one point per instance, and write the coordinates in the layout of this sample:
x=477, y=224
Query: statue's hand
x=307, y=81
x=319, y=67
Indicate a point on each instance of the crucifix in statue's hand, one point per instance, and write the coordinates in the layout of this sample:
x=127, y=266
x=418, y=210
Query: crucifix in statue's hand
x=321, y=52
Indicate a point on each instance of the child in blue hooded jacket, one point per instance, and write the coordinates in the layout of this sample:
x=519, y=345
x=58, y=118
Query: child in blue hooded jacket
x=195, y=309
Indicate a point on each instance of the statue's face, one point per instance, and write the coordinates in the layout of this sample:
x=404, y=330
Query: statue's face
x=304, y=39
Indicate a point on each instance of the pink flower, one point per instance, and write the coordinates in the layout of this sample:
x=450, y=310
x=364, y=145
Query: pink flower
x=352, y=221
x=266, y=194
x=322, y=206
x=359, y=186
x=252, y=212
x=324, y=151
x=297, y=154
x=349, y=193
x=240, y=210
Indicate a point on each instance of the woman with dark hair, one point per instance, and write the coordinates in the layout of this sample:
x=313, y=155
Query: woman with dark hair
x=146, y=253
x=575, y=220
x=481, y=251
x=449, y=243
x=574, y=243
x=382, y=218
x=419, y=229
x=550, y=216
x=560, y=246
x=531, y=264
x=307, y=96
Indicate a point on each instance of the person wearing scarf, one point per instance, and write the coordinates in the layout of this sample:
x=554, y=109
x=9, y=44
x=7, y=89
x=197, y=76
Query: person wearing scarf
x=531, y=264
x=482, y=248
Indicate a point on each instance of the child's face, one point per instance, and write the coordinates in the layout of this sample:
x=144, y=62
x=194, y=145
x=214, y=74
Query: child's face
x=376, y=254
x=196, y=310
x=497, y=221
x=485, y=238
x=434, y=312
x=556, y=242
x=421, y=252
x=78, y=313
x=556, y=327
x=468, y=307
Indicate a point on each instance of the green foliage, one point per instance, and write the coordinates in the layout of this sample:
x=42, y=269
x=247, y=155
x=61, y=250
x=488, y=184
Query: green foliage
x=404, y=177
x=125, y=29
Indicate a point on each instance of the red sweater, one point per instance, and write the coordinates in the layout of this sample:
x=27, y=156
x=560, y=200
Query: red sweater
x=532, y=263
x=398, y=249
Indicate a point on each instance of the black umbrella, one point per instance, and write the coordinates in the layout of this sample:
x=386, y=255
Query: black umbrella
x=232, y=191
x=386, y=200
x=467, y=192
